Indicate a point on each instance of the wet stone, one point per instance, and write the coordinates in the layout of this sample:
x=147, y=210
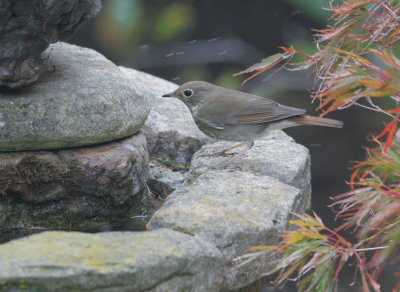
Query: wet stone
x=84, y=188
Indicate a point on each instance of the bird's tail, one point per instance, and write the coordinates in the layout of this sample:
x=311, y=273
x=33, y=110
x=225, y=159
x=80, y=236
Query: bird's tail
x=315, y=121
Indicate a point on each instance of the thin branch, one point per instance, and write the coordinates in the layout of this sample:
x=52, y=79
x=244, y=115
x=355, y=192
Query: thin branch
x=385, y=5
x=375, y=108
x=372, y=248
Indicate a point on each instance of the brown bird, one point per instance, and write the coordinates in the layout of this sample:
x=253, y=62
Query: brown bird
x=231, y=115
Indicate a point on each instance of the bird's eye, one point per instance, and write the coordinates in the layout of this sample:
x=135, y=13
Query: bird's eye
x=188, y=92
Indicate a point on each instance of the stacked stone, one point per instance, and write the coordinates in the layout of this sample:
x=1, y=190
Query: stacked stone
x=27, y=27
x=71, y=155
x=211, y=217
x=74, y=155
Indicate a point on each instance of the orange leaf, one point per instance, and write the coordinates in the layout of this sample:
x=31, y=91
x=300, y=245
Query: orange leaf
x=353, y=177
x=394, y=33
x=290, y=50
x=394, y=110
x=254, y=75
x=376, y=84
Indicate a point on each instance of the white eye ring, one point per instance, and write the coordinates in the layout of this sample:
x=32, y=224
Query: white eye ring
x=188, y=92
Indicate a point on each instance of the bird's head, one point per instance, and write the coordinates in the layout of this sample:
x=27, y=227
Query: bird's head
x=192, y=93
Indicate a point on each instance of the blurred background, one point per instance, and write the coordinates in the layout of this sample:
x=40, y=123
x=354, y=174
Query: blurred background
x=211, y=40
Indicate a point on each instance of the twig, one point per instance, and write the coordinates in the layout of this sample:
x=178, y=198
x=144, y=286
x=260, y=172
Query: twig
x=385, y=5
x=372, y=248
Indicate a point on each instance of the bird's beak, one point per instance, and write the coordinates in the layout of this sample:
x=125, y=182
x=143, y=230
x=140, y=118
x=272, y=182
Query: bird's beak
x=169, y=94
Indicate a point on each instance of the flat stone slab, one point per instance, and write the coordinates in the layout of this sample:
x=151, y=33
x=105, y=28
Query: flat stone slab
x=275, y=155
x=234, y=210
x=84, y=188
x=171, y=133
x=162, y=260
x=81, y=99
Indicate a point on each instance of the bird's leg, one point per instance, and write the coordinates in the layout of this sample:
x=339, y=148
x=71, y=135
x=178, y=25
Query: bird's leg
x=224, y=151
x=249, y=145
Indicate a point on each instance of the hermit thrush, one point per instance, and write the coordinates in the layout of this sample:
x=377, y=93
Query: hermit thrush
x=231, y=115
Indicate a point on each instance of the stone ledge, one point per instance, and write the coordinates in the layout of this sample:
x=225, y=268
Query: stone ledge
x=274, y=155
x=162, y=260
x=233, y=210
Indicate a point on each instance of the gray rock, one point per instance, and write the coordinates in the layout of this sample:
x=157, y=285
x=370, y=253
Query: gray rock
x=278, y=135
x=82, y=99
x=27, y=27
x=162, y=260
x=171, y=133
x=233, y=210
x=164, y=179
x=84, y=188
x=276, y=155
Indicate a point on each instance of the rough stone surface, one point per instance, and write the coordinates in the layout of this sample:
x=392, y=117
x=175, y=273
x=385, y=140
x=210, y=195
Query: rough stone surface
x=171, y=133
x=81, y=189
x=163, y=260
x=27, y=27
x=233, y=210
x=276, y=155
x=82, y=99
x=163, y=179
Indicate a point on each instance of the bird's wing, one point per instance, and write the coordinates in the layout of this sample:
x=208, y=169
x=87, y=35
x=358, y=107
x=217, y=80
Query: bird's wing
x=262, y=110
x=231, y=107
x=219, y=125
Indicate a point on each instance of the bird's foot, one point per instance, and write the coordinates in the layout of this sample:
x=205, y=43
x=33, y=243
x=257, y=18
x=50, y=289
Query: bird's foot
x=229, y=161
x=224, y=152
x=219, y=153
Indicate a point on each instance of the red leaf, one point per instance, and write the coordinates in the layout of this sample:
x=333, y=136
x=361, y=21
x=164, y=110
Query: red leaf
x=386, y=129
x=390, y=136
x=394, y=110
x=397, y=288
x=374, y=284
